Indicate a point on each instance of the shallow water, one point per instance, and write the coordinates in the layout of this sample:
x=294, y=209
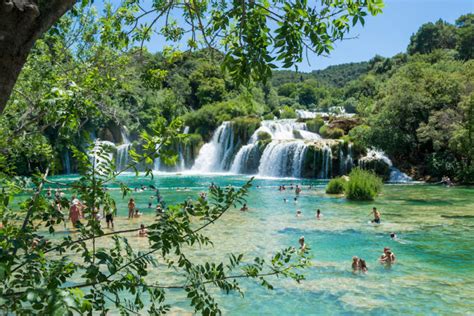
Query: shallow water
x=435, y=252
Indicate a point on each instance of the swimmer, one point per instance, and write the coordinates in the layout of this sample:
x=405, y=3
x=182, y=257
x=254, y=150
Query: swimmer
x=393, y=236
x=143, y=232
x=302, y=244
x=295, y=199
x=298, y=213
x=355, y=264
x=137, y=213
x=131, y=208
x=388, y=256
x=376, y=215
x=318, y=214
x=285, y=200
x=150, y=201
x=159, y=210
x=297, y=190
x=363, y=266
x=244, y=208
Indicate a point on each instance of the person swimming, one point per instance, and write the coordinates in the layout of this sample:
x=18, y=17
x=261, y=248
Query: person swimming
x=376, y=214
x=295, y=199
x=143, y=232
x=285, y=200
x=393, y=236
x=298, y=213
x=244, y=208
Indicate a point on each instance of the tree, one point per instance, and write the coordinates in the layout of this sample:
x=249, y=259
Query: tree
x=241, y=27
x=465, y=31
x=431, y=36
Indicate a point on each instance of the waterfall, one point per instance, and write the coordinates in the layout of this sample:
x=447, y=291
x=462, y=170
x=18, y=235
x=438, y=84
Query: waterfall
x=395, y=174
x=345, y=159
x=282, y=159
x=215, y=155
x=122, y=158
x=326, y=164
x=67, y=162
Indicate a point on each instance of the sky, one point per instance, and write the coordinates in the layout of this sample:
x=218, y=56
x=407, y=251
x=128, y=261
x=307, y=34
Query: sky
x=385, y=34
x=389, y=33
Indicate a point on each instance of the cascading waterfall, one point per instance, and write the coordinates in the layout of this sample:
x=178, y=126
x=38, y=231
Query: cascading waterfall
x=215, y=155
x=395, y=174
x=326, y=166
x=345, y=160
x=282, y=159
x=284, y=151
x=67, y=162
x=122, y=158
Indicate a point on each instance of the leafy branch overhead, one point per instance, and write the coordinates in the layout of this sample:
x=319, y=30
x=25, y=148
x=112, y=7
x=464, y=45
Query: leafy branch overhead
x=256, y=36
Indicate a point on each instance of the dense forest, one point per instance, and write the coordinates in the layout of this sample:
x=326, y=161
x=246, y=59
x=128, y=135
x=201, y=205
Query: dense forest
x=417, y=106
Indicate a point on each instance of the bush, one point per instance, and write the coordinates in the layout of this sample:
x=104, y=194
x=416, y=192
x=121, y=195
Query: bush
x=269, y=116
x=363, y=185
x=336, y=186
x=332, y=133
x=287, y=113
x=314, y=125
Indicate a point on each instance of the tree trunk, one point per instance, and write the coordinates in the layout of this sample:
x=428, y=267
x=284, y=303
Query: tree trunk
x=22, y=22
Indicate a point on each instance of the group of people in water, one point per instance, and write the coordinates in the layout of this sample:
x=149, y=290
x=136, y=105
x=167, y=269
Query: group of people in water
x=358, y=264
x=76, y=213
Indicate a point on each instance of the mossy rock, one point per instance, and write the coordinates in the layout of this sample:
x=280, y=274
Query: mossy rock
x=263, y=136
x=244, y=127
x=378, y=166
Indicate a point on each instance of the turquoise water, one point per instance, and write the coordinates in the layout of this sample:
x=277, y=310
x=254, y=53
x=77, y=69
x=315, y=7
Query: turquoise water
x=435, y=251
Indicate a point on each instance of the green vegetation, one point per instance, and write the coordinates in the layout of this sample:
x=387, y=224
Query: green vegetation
x=331, y=132
x=315, y=124
x=363, y=185
x=336, y=186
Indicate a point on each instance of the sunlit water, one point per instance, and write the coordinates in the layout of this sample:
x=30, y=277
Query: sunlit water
x=435, y=251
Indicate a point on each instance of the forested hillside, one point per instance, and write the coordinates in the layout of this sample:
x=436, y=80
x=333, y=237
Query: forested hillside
x=417, y=106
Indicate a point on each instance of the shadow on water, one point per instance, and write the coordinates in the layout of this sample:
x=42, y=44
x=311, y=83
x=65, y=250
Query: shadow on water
x=458, y=216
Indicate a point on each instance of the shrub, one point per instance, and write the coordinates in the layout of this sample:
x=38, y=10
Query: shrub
x=269, y=116
x=287, y=113
x=315, y=124
x=332, y=133
x=363, y=185
x=336, y=186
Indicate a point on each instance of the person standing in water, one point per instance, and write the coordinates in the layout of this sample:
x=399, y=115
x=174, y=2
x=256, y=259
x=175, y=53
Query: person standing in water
x=376, y=215
x=297, y=190
x=318, y=214
x=388, y=256
x=302, y=244
x=355, y=264
x=244, y=208
x=75, y=214
x=131, y=208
